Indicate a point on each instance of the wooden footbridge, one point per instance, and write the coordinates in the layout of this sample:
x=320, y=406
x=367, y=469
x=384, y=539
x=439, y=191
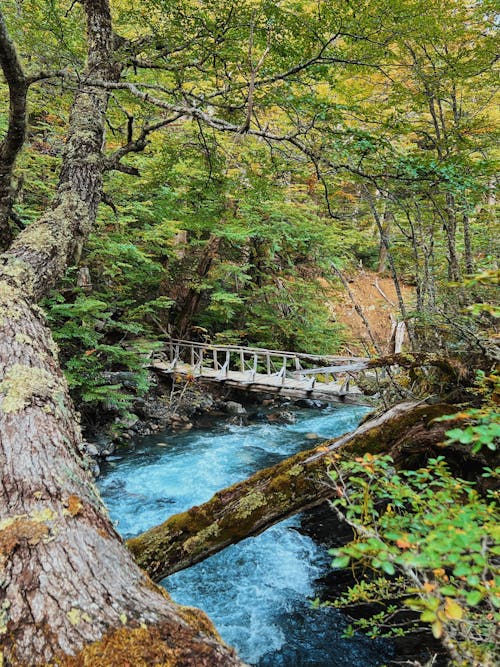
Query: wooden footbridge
x=293, y=374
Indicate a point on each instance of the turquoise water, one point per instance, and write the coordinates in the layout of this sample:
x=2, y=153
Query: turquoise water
x=257, y=592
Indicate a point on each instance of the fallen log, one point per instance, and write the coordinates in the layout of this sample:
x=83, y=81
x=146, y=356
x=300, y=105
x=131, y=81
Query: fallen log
x=271, y=495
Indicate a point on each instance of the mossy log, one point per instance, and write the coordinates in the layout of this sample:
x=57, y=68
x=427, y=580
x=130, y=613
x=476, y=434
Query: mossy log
x=249, y=507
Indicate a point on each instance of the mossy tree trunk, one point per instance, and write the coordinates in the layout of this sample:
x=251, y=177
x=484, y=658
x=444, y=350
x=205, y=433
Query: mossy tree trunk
x=70, y=593
x=271, y=495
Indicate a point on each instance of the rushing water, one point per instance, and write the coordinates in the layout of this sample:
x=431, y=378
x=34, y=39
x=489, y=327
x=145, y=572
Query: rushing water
x=257, y=592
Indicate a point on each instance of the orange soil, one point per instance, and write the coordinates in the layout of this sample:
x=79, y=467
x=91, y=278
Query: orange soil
x=380, y=314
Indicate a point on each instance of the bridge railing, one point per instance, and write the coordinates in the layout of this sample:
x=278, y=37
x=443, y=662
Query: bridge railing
x=249, y=361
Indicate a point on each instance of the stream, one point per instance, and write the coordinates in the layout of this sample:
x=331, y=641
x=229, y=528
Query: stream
x=258, y=592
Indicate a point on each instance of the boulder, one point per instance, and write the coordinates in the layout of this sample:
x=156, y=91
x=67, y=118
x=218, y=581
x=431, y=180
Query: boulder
x=235, y=409
x=282, y=417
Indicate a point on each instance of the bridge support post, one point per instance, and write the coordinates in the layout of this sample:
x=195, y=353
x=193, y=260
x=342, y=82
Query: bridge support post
x=254, y=369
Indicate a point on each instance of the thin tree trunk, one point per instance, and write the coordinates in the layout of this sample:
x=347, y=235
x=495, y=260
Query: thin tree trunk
x=469, y=258
x=14, y=139
x=450, y=228
x=384, y=240
x=390, y=258
x=271, y=495
x=68, y=586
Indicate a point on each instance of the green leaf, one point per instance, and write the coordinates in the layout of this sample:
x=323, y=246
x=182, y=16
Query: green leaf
x=388, y=567
x=340, y=562
x=473, y=598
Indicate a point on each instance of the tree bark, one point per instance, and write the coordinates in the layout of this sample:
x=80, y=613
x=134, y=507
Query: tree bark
x=191, y=302
x=271, y=495
x=14, y=139
x=384, y=240
x=70, y=593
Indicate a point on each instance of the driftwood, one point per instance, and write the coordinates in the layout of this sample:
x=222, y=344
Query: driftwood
x=273, y=494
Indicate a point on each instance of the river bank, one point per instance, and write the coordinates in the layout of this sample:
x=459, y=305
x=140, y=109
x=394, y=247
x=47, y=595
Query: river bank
x=179, y=406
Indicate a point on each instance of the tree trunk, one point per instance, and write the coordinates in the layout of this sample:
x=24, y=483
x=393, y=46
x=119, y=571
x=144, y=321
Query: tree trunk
x=450, y=228
x=468, y=256
x=384, y=240
x=14, y=139
x=395, y=278
x=271, y=495
x=70, y=593
x=191, y=301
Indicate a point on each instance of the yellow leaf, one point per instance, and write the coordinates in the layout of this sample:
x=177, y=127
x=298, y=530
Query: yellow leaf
x=437, y=629
x=453, y=609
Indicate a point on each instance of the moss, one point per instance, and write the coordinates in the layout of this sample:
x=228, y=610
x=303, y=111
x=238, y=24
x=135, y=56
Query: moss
x=295, y=470
x=20, y=272
x=18, y=530
x=168, y=644
x=249, y=503
x=7, y=292
x=10, y=305
x=199, y=620
x=4, y=619
x=139, y=647
x=21, y=384
x=76, y=616
x=38, y=237
x=73, y=505
x=202, y=537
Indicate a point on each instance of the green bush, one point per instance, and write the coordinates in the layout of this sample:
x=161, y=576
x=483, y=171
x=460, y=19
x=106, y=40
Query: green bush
x=433, y=543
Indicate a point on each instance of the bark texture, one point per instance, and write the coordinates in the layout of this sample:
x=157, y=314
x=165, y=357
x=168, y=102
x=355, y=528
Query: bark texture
x=70, y=593
x=273, y=494
x=14, y=138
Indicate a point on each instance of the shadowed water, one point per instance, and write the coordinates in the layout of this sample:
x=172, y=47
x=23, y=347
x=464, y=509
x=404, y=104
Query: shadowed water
x=257, y=592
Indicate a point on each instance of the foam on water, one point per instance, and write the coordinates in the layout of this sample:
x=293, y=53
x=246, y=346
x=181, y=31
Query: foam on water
x=257, y=592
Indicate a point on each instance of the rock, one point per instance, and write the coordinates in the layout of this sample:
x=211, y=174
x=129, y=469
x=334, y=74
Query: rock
x=308, y=403
x=237, y=421
x=129, y=422
x=94, y=468
x=91, y=449
x=281, y=417
x=234, y=408
x=312, y=436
